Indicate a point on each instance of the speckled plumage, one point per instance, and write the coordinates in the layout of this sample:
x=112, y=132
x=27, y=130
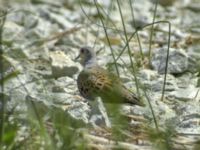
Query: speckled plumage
x=95, y=81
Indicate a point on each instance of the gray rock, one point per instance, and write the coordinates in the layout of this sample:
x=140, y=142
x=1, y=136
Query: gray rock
x=62, y=65
x=98, y=114
x=188, y=116
x=74, y=108
x=178, y=61
x=79, y=111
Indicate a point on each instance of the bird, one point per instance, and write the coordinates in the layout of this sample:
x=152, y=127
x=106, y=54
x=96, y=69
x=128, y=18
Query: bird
x=94, y=81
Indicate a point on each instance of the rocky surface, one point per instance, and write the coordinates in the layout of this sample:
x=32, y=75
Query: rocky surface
x=41, y=40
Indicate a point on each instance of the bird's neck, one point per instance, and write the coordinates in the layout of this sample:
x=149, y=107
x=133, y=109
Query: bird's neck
x=90, y=63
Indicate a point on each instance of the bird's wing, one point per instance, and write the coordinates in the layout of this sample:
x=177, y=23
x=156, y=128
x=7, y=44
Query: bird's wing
x=112, y=87
x=105, y=85
x=93, y=82
x=100, y=79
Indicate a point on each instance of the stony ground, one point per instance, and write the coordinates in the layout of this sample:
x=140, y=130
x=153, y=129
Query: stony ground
x=41, y=39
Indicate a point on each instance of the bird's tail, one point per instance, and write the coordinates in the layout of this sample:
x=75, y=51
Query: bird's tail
x=131, y=98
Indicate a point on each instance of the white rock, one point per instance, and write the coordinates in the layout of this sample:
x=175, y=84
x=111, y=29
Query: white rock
x=190, y=93
x=62, y=65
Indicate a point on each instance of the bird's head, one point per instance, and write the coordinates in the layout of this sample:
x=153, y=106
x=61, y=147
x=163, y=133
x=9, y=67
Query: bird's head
x=87, y=57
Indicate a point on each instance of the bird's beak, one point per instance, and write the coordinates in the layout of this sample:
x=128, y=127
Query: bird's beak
x=76, y=59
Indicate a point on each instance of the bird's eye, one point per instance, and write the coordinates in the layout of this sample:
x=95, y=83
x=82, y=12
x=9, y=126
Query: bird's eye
x=82, y=50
